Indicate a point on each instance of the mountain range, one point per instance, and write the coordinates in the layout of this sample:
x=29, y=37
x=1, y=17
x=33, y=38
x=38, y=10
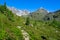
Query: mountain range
x=18, y=11
x=39, y=14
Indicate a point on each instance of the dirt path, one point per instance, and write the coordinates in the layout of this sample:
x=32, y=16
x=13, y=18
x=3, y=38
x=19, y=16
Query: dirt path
x=24, y=33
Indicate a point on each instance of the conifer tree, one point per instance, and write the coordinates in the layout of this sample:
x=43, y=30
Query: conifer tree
x=5, y=4
x=27, y=21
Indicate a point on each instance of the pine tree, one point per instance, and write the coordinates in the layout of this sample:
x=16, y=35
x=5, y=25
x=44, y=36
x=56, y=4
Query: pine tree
x=5, y=8
x=27, y=21
x=5, y=5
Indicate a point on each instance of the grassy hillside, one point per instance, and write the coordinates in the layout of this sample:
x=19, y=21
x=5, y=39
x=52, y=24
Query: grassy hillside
x=8, y=23
x=42, y=29
x=37, y=30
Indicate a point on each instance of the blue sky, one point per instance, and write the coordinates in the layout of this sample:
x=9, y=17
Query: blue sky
x=32, y=5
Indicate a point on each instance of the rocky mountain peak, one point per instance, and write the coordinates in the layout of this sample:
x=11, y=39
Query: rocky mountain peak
x=41, y=9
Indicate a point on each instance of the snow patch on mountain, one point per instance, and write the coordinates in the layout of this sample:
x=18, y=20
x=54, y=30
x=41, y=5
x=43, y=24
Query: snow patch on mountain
x=18, y=11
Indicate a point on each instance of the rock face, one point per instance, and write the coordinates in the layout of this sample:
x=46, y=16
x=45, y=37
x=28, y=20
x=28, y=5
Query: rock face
x=53, y=16
x=56, y=16
x=19, y=12
x=49, y=17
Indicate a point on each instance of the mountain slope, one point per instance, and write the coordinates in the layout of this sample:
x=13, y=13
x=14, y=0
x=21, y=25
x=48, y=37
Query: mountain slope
x=39, y=14
x=37, y=30
x=57, y=15
x=53, y=16
x=8, y=29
